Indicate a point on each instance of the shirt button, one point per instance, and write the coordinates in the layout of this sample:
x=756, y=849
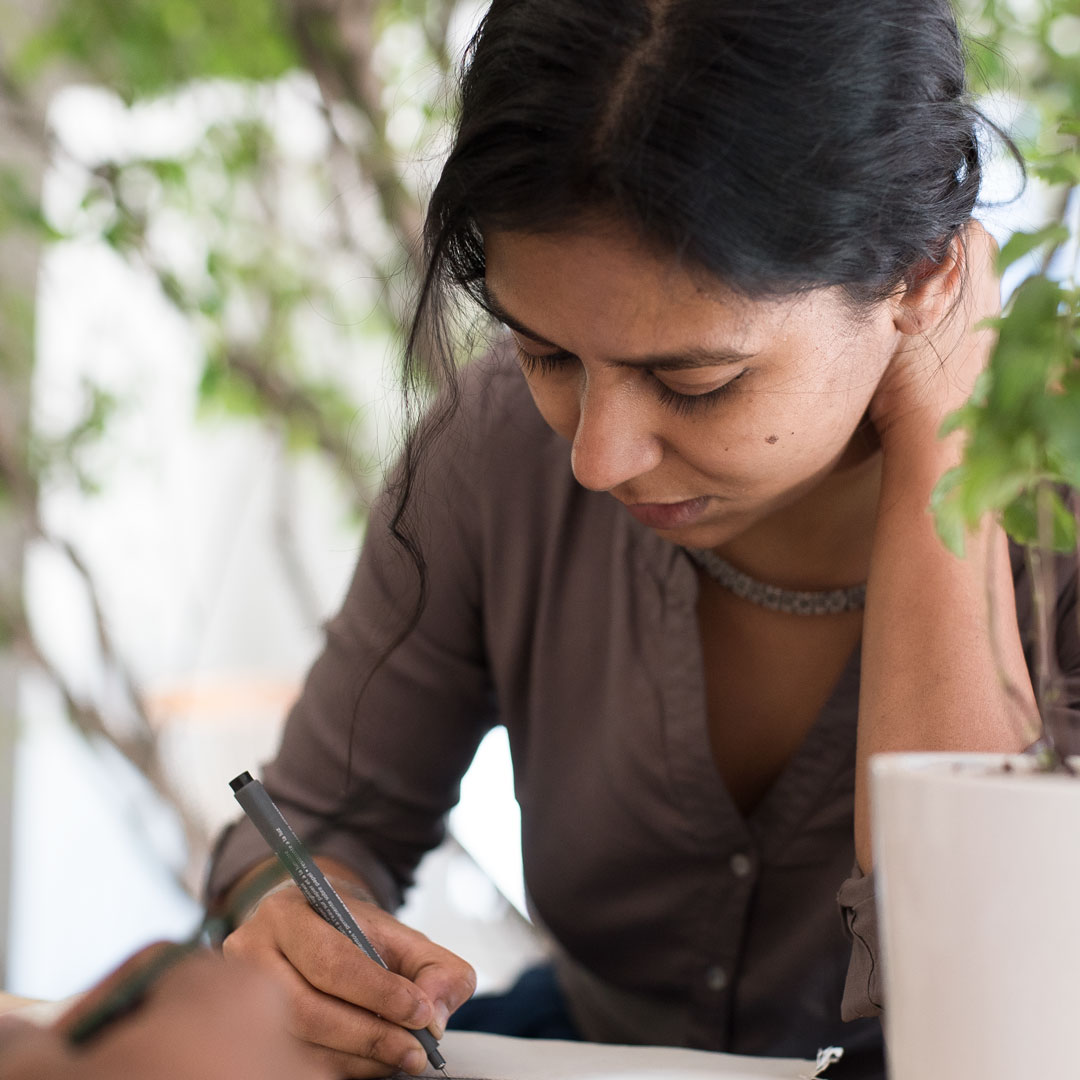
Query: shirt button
x=715, y=978
x=741, y=865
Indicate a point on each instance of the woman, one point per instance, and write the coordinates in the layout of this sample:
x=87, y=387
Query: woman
x=733, y=248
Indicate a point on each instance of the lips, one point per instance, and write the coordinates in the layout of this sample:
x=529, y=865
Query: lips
x=669, y=515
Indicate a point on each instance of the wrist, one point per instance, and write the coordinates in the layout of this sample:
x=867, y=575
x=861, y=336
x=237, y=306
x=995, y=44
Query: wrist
x=351, y=889
x=249, y=909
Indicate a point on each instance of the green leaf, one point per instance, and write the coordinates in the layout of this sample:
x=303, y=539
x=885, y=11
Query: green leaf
x=1020, y=244
x=1030, y=354
x=1021, y=520
x=1064, y=525
x=1060, y=169
x=948, y=512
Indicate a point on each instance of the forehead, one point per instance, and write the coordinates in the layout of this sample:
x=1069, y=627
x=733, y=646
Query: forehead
x=602, y=287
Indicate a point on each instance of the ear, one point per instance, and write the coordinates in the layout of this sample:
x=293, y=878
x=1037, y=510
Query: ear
x=931, y=291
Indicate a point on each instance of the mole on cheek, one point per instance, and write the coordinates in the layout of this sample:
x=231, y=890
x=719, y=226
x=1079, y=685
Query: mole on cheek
x=772, y=439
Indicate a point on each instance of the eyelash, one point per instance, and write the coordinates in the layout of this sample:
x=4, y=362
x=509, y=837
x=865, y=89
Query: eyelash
x=680, y=404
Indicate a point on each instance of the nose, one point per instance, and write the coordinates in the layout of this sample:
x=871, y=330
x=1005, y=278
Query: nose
x=614, y=441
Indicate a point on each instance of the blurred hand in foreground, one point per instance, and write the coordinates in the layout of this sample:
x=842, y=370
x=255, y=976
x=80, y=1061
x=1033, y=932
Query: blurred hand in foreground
x=202, y=1020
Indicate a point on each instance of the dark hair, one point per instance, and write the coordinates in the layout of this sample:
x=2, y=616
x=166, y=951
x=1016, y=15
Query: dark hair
x=779, y=145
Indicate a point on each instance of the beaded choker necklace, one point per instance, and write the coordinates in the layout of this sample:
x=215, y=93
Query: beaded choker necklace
x=792, y=601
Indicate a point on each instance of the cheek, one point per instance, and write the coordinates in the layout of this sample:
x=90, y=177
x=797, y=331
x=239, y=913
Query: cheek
x=825, y=405
x=778, y=436
x=853, y=376
x=558, y=402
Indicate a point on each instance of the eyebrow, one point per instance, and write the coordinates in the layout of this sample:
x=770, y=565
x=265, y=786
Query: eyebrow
x=694, y=356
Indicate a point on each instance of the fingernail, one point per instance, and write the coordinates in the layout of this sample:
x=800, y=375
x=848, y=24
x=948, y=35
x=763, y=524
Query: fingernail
x=415, y=1061
x=442, y=1014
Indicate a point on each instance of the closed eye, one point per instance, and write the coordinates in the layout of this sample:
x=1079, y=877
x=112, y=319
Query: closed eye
x=682, y=404
x=685, y=404
x=543, y=363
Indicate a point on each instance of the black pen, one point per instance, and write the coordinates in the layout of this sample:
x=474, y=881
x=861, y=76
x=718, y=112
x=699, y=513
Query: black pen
x=318, y=892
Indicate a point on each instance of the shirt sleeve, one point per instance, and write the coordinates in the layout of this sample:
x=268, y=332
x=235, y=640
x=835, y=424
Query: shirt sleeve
x=373, y=751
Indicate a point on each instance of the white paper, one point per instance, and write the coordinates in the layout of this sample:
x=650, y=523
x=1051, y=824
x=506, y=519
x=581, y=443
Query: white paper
x=496, y=1057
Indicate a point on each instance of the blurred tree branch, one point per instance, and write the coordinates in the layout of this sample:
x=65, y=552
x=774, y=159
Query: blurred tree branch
x=131, y=734
x=264, y=273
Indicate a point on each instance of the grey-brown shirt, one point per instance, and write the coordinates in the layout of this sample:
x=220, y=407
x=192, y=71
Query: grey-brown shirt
x=676, y=919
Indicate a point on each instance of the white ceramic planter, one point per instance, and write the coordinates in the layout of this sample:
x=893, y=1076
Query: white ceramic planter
x=978, y=877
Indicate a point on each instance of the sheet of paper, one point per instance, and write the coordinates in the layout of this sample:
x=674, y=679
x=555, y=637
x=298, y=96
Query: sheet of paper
x=496, y=1057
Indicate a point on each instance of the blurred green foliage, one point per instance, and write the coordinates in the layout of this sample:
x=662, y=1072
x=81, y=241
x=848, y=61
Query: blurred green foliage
x=1022, y=457
x=279, y=220
x=305, y=260
x=144, y=47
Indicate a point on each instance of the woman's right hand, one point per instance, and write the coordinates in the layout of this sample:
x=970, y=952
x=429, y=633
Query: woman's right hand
x=356, y=1013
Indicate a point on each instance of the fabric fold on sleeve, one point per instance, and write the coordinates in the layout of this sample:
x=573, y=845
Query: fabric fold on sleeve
x=864, y=988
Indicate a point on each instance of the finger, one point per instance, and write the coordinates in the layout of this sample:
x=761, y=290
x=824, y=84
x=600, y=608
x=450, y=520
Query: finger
x=327, y=959
x=356, y=1033
x=341, y=1065
x=442, y=975
x=449, y=981
x=333, y=964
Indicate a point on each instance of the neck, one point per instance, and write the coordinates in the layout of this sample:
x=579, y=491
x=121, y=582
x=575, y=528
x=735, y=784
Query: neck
x=822, y=539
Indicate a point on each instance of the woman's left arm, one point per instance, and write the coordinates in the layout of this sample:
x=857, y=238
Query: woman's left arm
x=942, y=665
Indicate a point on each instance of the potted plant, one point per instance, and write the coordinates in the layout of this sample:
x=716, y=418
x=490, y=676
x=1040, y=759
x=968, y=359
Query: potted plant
x=978, y=856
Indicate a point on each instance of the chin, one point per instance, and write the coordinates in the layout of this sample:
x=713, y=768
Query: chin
x=710, y=534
